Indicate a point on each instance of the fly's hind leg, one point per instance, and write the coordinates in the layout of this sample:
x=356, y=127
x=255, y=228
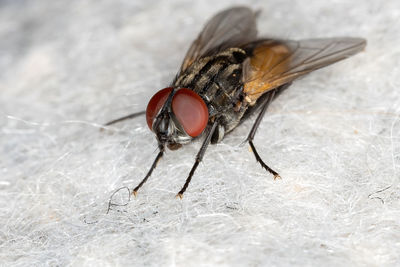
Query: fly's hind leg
x=252, y=133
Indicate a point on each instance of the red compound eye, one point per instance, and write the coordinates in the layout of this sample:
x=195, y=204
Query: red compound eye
x=155, y=104
x=191, y=111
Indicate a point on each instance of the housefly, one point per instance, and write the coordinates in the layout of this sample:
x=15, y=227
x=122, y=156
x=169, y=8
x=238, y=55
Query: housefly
x=228, y=74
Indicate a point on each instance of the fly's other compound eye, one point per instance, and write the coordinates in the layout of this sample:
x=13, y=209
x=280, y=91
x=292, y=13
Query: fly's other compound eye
x=191, y=111
x=155, y=104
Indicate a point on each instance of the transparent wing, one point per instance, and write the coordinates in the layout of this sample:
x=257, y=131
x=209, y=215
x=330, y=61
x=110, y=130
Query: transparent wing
x=274, y=63
x=230, y=28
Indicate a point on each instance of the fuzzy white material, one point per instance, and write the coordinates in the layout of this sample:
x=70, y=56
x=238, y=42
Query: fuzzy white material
x=334, y=137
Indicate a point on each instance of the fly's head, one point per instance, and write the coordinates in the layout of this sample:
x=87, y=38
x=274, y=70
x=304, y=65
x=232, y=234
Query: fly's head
x=176, y=116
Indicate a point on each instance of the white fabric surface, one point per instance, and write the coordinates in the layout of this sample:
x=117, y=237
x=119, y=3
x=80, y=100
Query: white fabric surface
x=334, y=136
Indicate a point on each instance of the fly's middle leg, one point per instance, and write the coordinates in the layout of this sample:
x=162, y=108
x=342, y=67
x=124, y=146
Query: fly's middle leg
x=127, y=117
x=252, y=133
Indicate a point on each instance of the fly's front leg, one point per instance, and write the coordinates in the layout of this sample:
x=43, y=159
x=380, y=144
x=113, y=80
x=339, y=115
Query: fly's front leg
x=199, y=158
x=153, y=166
x=252, y=133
